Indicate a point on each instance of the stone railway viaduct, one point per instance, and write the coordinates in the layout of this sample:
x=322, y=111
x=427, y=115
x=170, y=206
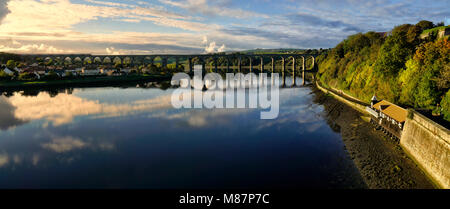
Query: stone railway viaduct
x=199, y=58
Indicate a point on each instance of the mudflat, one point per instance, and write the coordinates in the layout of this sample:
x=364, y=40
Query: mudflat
x=380, y=160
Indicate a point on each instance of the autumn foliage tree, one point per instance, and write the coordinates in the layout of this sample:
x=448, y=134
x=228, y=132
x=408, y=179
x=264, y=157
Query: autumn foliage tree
x=399, y=67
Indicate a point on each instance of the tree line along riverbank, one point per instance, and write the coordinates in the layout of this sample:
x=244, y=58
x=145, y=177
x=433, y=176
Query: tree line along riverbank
x=401, y=66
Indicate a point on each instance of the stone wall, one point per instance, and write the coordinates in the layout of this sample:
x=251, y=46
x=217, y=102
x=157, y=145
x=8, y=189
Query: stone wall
x=428, y=143
x=359, y=107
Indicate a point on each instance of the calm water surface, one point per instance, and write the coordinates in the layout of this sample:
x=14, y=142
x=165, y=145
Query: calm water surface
x=133, y=138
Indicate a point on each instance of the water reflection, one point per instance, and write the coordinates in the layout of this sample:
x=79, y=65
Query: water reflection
x=133, y=138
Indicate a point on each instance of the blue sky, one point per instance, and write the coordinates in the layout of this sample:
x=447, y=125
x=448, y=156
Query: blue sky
x=198, y=26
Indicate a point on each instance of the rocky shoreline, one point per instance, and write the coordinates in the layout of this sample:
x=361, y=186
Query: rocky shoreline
x=380, y=160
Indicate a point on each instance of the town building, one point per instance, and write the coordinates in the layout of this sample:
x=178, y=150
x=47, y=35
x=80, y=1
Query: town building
x=90, y=71
x=9, y=71
x=107, y=70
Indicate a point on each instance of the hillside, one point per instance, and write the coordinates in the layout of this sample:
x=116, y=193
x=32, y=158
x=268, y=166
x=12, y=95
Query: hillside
x=400, y=67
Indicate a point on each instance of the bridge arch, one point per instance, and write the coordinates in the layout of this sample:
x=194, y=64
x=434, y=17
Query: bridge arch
x=77, y=60
x=97, y=60
x=107, y=60
x=310, y=62
x=67, y=61
x=87, y=60
x=117, y=60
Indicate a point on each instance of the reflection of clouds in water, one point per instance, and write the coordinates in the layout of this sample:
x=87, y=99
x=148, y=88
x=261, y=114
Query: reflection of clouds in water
x=7, y=117
x=56, y=145
x=307, y=116
x=202, y=117
x=64, y=144
x=60, y=144
x=62, y=108
x=16, y=159
x=4, y=159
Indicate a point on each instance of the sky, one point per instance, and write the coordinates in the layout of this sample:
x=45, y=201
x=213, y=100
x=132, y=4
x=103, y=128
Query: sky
x=117, y=27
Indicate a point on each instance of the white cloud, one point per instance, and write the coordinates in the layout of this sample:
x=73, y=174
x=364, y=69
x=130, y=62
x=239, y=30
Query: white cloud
x=221, y=48
x=112, y=51
x=4, y=159
x=17, y=47
x=211, y=48
x=219, y=8
x=64, y=144
x=3, y=9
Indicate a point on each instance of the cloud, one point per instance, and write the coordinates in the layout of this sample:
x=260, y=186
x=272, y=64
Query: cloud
x=221, y=48
x=205, y=40
x=17, y=47
x=4, y=159
x=64, y=144
x=188, y=26
x=8, y=119
x=312, y=20
x=280, y=39
x=213, y=8
x=112, y=51
x=213, y=48
x=3, y=9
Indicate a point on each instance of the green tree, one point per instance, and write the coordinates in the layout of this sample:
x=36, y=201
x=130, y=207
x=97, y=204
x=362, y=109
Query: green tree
x=425, y=24
x=445, y=105
x=27, y=76
x=11, y=64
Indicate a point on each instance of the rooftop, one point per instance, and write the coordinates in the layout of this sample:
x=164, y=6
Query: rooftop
x=392, y=110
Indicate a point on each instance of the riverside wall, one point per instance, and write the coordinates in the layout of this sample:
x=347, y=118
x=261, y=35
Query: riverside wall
x=428, y=143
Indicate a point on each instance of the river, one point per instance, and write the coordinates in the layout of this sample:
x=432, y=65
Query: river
x=132, y=137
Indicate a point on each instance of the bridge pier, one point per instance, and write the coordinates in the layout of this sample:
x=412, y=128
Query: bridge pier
x=215, y=65
x=262, y=65
x=273, y=64
x=164, y=62
x=293, y=66
x=228, y=65
x=190, y=65
x=303, y=71
x=251, y=64
x=203, y=67
x=283, y=66
x=239, y=65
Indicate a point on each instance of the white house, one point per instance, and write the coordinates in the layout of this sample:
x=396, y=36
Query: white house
x=37, y=75
x=90, y=71
x=8, y=71
x=126, y=70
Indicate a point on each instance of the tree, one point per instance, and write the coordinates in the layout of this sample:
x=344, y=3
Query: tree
x=425, y=24
x=440, y=24
x=445, y=105
x=11, y=64
x=27, y=76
